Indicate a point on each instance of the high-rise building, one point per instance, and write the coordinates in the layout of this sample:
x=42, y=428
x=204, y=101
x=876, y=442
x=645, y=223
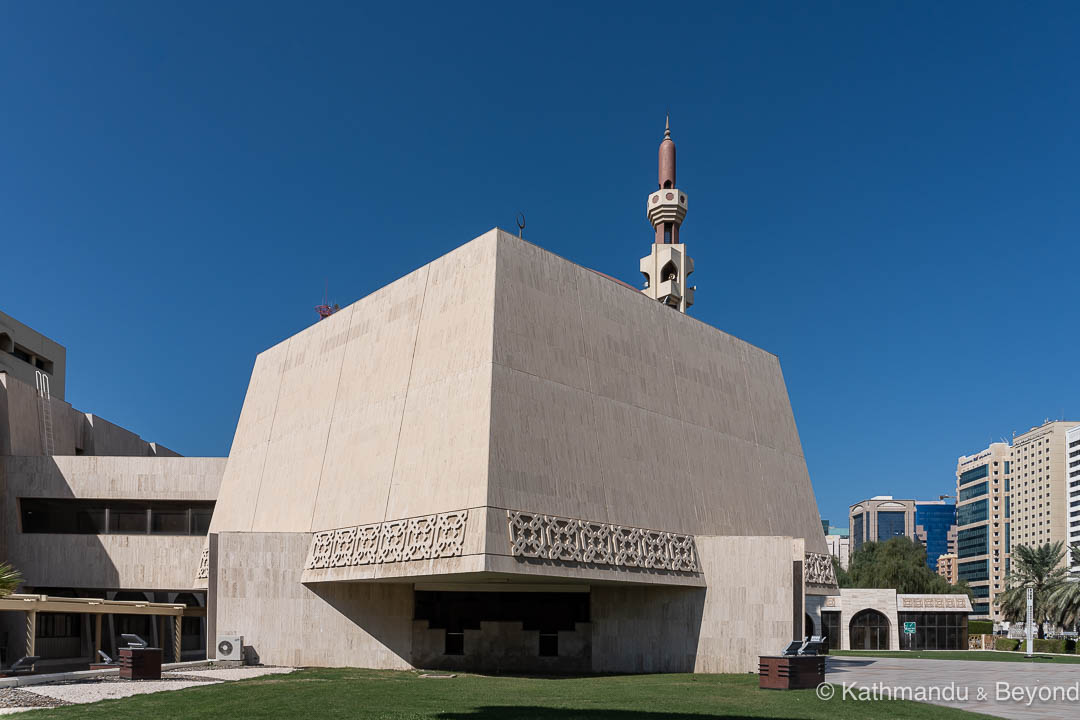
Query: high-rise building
x=1072, y=469
x=982, y=519
x=1040, y=486
x=946, y=567
x=929, y=522
x=935, y=528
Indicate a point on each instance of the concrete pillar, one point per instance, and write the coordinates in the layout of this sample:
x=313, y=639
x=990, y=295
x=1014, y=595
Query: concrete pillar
x=31, y=631
x=97, y=637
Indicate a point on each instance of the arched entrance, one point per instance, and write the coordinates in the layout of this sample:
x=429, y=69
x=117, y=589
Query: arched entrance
x=808, y=626
x=869, y=630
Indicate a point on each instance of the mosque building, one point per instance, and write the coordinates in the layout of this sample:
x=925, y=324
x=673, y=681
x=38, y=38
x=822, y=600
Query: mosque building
x=507, y=461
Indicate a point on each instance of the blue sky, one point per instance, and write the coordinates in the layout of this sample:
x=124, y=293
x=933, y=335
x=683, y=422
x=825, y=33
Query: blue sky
x=885, y=197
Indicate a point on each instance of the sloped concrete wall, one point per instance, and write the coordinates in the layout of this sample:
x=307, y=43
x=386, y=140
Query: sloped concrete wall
x=379, y=412
x=609, y=406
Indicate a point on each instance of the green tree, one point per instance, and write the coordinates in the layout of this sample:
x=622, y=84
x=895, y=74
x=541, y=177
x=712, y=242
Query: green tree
x=1065, y=599
x=1038, y=568
x=898, y=563
x=9, y=579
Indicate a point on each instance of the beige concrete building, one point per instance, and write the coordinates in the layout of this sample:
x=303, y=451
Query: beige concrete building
x=1040, y=485
x=91, y=510
x=982, y=516
x=504, y=460
x=947, y=567
x=839, y=548
x=26, y=355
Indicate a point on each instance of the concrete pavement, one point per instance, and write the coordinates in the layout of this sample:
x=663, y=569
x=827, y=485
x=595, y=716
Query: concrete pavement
x=1015, y=690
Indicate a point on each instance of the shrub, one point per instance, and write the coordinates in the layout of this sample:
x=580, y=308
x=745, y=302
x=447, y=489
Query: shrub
x=980, y=627
x=1055, y=646
x=1006, y=643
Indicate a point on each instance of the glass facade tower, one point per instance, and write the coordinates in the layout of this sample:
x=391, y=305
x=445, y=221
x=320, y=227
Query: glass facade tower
x=934, y=523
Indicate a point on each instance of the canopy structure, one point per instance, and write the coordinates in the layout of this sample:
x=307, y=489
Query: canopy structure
x=34, y=604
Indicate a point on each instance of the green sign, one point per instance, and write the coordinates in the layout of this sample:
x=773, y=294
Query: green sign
x=909, y=628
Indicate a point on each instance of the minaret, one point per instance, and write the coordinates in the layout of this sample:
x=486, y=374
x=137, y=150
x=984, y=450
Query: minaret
x=667, y=267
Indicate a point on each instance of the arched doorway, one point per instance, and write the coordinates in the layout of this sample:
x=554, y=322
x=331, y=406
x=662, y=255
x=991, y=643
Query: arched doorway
x=808, y=626
x=869, y=630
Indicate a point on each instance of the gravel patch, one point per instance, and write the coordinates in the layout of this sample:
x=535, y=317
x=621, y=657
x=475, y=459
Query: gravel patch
x=88, y=692
x=19, y=698
x=240, y=673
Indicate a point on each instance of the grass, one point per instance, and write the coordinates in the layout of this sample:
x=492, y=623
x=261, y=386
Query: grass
x=984, y=655
x=351, y=693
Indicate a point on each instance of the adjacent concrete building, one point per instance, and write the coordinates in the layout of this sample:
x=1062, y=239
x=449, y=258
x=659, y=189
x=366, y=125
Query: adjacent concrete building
x=26, y=355
x=983, y=520
x=92, y=510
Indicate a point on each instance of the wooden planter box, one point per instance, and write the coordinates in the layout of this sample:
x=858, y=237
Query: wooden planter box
x=794, y=672
x=140, y=663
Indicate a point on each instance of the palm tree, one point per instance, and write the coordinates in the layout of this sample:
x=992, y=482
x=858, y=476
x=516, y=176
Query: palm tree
x=1038, y=568
x=1065, y=600
x=9, y=579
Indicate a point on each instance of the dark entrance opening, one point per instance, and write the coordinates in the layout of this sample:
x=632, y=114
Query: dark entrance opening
x=869, y=631
x=830, y=627
x=520, y=625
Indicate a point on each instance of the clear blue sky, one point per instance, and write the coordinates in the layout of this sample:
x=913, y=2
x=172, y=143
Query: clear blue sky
x=885, y=197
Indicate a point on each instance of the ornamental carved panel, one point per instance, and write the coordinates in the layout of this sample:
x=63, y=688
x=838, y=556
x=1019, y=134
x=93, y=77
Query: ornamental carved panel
x=450, y=535
x=392, y=541
x=422, y=538
x=570, y=540
x=203, y=573
x=818, y=569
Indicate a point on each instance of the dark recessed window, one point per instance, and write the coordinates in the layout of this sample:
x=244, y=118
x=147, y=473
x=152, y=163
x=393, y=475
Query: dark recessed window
x=455, y=643
x=120, y=517
x=549, y=644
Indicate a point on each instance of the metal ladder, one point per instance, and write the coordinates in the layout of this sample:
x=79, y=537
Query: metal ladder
x=48, y=440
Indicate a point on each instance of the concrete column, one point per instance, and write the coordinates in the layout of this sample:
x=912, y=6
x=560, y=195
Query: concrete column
x=211, y=599
x=97, y=636
x=177, y=636
x=31, y=631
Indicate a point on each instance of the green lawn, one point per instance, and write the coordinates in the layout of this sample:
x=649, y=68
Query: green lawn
x=348, y=693
x=985, y=655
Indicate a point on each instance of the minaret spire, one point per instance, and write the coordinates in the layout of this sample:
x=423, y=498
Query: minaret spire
x=667, y=267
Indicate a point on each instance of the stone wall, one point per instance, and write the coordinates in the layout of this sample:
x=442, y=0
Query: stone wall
x=259, y=596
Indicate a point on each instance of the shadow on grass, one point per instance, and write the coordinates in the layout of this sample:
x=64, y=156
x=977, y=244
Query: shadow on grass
x=526, y=712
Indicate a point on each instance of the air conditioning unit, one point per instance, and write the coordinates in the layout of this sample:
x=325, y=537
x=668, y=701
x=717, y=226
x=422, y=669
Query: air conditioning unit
x=230, y=647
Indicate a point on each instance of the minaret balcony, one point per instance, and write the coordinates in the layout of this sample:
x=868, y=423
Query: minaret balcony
x=666, y=205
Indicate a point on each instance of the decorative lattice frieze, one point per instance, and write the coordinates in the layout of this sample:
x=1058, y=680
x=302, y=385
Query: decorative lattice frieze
x=203, y=573
x=569, y=540
x=422, y=538
x=818, y=569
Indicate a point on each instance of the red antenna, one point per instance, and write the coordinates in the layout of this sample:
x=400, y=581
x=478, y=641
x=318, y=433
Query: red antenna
x=326, y=309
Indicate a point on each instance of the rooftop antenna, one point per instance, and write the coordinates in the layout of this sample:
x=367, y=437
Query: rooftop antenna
x=326, y=309
x=520, y=219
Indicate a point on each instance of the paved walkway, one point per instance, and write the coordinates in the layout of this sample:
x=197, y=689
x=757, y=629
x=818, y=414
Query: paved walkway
x=1015, y=690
